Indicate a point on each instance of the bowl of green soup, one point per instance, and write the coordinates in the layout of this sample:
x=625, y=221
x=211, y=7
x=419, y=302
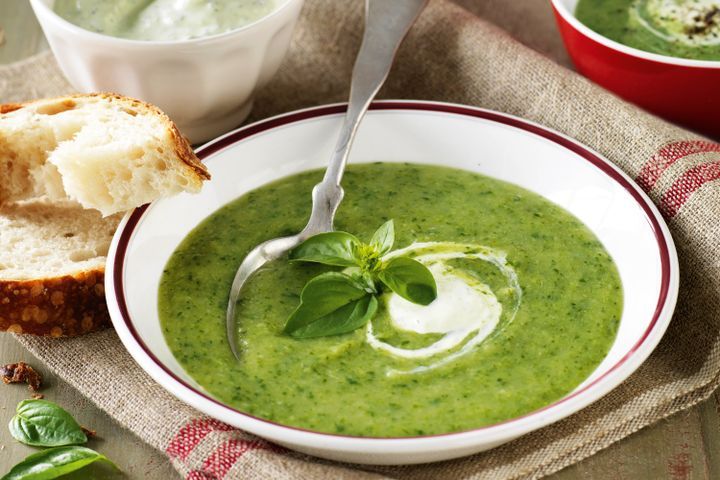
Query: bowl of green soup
x=200, y=61
x=663, y=55
x=556, y=278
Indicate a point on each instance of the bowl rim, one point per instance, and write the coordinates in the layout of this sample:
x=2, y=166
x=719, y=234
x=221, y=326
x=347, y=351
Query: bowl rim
x=499, y=432
x=564, y=12
x=68, y=26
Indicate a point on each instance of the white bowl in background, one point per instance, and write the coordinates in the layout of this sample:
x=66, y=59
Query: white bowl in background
x=482, y=141
x=205, y=85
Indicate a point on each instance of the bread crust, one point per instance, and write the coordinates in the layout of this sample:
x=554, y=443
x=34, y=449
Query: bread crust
x=63, y=306
x=10, y=107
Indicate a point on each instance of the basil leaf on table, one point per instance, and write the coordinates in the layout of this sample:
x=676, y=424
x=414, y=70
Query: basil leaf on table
x=44, y=424
x=322, y=296
x=384, y=237
x=330, y=248
x=410, y=279
x=54, y=462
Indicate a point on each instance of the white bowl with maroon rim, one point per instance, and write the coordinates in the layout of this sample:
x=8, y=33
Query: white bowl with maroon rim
x=494, y=144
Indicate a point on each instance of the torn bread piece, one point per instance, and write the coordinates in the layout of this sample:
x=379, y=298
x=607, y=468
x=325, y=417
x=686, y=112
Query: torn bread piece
x=67, y=166
x=105, y=151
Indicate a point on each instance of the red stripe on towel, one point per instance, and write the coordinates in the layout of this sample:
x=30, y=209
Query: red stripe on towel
x=687, y=184
x=192, y=434
x=225, y=456
x=650, y=172
x=198, y=475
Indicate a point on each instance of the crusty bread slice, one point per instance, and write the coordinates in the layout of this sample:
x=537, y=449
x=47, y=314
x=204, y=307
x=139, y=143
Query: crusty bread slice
x=52, y=261
x=105, y=151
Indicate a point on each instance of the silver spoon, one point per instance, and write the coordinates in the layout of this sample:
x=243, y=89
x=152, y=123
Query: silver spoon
x=386, y=24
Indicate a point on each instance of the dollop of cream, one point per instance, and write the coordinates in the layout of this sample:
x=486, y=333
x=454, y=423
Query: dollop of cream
x=693, y=23
x=466, y=311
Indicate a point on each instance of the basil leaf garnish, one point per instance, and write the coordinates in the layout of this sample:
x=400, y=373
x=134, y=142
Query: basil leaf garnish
x=410, y=279
x=54, y=462
x=343, y=320
x=331, y=248
x=334, y=303
x=44, y=424
x=322, y=296
x=384, y=237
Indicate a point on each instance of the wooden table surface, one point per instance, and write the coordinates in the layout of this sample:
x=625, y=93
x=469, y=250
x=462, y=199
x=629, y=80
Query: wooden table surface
x=683, y=447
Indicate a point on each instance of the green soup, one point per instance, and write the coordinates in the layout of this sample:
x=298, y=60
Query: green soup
x=163, y=20
x=560, y=307
x=677, y=28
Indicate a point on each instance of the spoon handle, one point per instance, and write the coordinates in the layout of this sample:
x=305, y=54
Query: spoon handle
x=386, y=24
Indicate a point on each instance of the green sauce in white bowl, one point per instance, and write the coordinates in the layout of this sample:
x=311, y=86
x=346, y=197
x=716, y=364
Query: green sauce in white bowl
x=163, y=20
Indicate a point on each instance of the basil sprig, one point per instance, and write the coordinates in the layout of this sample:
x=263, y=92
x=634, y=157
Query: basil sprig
x=44, y=424
x=54, y=462
x=339, y=302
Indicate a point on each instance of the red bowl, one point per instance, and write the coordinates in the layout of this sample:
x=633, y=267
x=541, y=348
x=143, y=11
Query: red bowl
x=683, y=91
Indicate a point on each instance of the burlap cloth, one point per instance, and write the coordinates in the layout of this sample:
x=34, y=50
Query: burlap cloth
x=451, y=55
